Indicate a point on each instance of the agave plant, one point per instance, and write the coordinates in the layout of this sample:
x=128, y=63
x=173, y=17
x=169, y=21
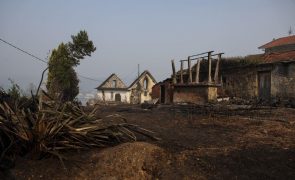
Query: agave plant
x=54, y=127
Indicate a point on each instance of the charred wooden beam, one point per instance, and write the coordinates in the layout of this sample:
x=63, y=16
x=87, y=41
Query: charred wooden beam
x=173, y=71
x=197, y=80
x=217, y=68
x=181, y=72
x=189, y=70
x=201, y=54
x=202, y=57
x=209, y=67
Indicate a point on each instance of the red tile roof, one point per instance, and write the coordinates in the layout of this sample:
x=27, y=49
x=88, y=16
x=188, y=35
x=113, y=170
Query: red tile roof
x=279, y=42
x=276, y=57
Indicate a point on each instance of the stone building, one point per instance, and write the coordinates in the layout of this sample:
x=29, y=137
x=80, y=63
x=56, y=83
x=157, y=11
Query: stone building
x=272, y=77
x=113, y=89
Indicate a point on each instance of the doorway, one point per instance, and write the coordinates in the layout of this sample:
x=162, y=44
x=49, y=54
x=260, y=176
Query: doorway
x=118, y=98
x=264, y=85
x=162, y=94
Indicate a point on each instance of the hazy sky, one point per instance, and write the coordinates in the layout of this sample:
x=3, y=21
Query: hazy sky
x=131, y=32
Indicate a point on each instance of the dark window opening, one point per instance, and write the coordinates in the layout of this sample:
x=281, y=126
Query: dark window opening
x=118, y=97
x=223, y=80
x=112, y=95
x=114, y=84
x=283, y=70
x=145, y=84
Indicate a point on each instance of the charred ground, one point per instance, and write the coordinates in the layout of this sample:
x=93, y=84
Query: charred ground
x=226, y=142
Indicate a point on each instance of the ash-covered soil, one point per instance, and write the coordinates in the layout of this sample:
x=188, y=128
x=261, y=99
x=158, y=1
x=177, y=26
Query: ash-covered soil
x=193, y=145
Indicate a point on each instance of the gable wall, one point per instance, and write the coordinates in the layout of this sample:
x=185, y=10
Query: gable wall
x=109, y=83
x=138, y=93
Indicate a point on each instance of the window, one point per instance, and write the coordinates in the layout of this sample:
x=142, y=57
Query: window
x=114, y=84
x=145, y=84
x=283, y=70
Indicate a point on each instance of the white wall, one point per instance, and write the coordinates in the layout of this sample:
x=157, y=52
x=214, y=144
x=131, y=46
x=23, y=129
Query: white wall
x=125, y=95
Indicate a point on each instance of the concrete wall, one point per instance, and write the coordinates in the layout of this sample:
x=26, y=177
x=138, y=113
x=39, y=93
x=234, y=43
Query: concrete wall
x=125, y=95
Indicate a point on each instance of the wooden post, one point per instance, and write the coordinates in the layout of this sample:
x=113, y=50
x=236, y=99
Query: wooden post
x=173, y=71
x=209, y=67
x=181, y=71
x=198, y=71
x=189, y=70
x=217, y=69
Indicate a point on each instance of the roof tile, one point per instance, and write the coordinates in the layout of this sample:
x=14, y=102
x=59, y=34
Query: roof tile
x=279, y=42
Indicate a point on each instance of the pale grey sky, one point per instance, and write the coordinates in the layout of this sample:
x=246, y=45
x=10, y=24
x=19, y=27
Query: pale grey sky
x=131, y=32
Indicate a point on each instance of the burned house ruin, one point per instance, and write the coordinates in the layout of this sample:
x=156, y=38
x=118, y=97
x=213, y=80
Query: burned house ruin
x=264, y=77
x=191, y=85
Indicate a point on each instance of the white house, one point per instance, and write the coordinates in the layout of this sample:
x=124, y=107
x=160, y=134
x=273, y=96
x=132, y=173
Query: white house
x=114, y=89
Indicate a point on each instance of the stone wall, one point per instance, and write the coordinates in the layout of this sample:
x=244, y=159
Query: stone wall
x=141, y=91
x=240, y=82
x=243, y=82
x=283, y=81
x=197, y=94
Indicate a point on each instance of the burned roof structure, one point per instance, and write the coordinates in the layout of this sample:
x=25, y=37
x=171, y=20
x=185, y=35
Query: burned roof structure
x=189, y=88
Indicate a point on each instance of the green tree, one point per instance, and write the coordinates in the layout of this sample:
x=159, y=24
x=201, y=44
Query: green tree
x=14, y=91
x=62, y=81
